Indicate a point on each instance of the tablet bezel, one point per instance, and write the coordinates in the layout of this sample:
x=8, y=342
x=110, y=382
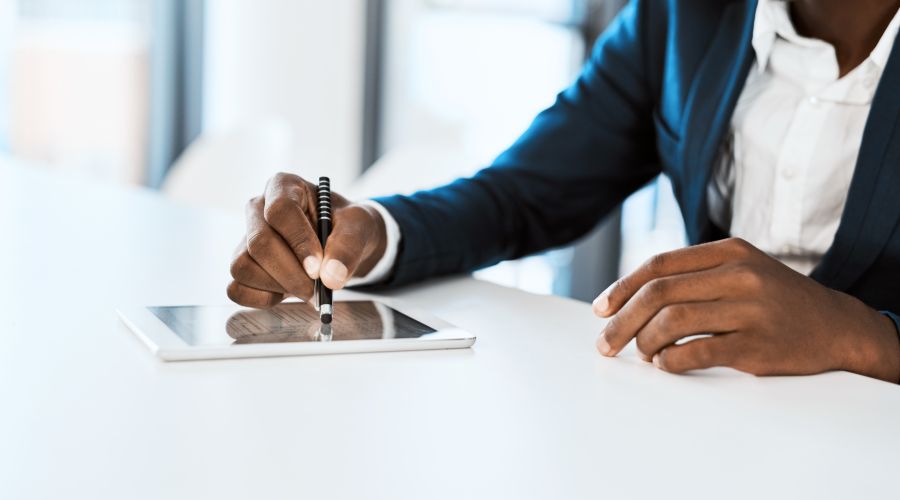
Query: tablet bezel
x=169, y=346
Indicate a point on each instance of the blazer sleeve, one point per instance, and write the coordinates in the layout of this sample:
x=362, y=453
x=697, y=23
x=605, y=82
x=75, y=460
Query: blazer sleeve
x=576, y=162
x=893, y=317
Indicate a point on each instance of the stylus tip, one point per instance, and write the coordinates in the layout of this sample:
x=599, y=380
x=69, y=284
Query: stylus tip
x=326, y=318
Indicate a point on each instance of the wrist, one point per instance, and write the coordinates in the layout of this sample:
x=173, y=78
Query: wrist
x=379, y=246
x=871, y=346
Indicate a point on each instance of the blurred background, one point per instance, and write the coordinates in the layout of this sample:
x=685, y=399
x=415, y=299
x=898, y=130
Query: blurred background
x=204, y=100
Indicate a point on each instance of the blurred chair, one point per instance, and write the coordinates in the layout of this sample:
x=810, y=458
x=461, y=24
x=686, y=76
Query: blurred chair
x=411, y=168
x=223, y=170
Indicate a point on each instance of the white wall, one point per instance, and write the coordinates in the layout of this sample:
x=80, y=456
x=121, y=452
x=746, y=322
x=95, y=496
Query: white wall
x=7, y=26
x=77, y=91
x=300, y=62
x=472, y=80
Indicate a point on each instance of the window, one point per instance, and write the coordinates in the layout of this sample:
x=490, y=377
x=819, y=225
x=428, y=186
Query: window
x=74, y=84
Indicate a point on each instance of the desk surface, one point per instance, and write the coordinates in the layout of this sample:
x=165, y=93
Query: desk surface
x=530, y=412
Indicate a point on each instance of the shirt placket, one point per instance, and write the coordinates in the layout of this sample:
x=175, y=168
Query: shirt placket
x=794, y=163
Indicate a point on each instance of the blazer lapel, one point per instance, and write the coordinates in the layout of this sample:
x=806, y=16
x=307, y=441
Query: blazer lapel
x=873, y=203
x=710, y=104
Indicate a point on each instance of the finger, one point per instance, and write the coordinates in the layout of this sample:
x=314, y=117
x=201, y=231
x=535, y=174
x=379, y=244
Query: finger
x=289, y=209
x=678, y=321
x=270, y=251
x=246, y=271
x=706, y=285
x=251, y=297
x=718, y=350
x=351, y=241
x=684, y=260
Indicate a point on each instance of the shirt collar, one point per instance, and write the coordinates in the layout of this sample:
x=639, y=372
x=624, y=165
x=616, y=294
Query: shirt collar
x=773, y=20
x=766, y=23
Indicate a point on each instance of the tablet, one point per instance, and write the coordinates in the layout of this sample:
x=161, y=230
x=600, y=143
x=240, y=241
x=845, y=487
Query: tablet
x=186, y=332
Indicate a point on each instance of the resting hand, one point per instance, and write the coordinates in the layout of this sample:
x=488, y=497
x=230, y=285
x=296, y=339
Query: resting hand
x=755, y=315
x=281, y=254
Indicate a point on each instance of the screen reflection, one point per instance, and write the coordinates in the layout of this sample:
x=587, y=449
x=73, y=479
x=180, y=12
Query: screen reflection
x=288, y=322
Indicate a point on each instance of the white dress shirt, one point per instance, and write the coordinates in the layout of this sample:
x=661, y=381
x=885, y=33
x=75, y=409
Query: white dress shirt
x=383, y=267
x=784, y=169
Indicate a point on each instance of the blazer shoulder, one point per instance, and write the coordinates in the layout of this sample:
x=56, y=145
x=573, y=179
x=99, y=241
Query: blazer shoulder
x=681, y=26
x=675, y=36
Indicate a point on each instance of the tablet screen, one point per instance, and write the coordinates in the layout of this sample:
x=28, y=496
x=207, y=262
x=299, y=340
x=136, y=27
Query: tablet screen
x=287, y=322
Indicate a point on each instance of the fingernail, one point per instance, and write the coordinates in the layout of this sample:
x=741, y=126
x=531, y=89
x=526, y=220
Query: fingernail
x=601, y=304
x=336, y=271
x=311, y=266
x=603, y=346
x=656, y=360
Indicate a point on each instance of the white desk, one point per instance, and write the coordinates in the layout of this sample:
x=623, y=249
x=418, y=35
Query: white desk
x=530, y=412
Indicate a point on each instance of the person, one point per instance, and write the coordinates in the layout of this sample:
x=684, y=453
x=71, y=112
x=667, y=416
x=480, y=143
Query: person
x=778, y=123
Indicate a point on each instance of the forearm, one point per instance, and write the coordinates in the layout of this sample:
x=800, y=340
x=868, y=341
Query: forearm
x=576, y=162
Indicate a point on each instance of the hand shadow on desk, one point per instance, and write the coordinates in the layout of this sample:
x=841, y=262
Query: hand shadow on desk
x=299, y=322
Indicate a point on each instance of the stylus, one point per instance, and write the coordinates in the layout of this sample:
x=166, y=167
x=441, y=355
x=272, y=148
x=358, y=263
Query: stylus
x=324, y=194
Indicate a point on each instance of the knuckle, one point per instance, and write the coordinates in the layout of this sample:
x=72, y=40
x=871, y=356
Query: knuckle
x=279, y=210
x=748, y=277
x=259, y=245
x=677, y=361
x=739, y=246
x=671, y=317
x=644, y=344
x=355, y=219
x=354, y=227
x=753, y=281
x=618, y=287
x=611, y=331
x=286, y=178
x=234, y=293
x=252, y=298
x=657, y=290
x=300, y=242
x=240, y=266
x=669, y=361
x=657, y=264
x=272, y=300
x=254, y=202
x=371, y=215
x=758, y=317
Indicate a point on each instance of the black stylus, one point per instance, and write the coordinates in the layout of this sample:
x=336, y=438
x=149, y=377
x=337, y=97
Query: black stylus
x=324, y=195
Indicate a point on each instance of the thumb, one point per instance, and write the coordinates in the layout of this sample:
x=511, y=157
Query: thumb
x=350, y=243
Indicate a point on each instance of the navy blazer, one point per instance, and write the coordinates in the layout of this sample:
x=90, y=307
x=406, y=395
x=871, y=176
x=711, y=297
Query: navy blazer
x=656, y=96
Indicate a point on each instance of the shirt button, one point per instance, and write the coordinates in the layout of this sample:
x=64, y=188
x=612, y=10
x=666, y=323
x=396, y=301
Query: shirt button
x=813, y=100
x=788, y=173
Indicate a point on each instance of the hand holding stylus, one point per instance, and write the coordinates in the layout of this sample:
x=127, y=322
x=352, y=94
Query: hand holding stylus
x=281, y=254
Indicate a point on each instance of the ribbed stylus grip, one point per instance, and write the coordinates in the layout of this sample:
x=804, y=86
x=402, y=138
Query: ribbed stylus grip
x=324, y=201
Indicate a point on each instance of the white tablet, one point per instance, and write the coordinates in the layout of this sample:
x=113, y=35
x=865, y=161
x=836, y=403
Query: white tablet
x=177, y=333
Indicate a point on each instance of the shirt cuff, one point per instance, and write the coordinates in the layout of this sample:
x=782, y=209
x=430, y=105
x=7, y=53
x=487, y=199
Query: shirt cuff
x=385, y=265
